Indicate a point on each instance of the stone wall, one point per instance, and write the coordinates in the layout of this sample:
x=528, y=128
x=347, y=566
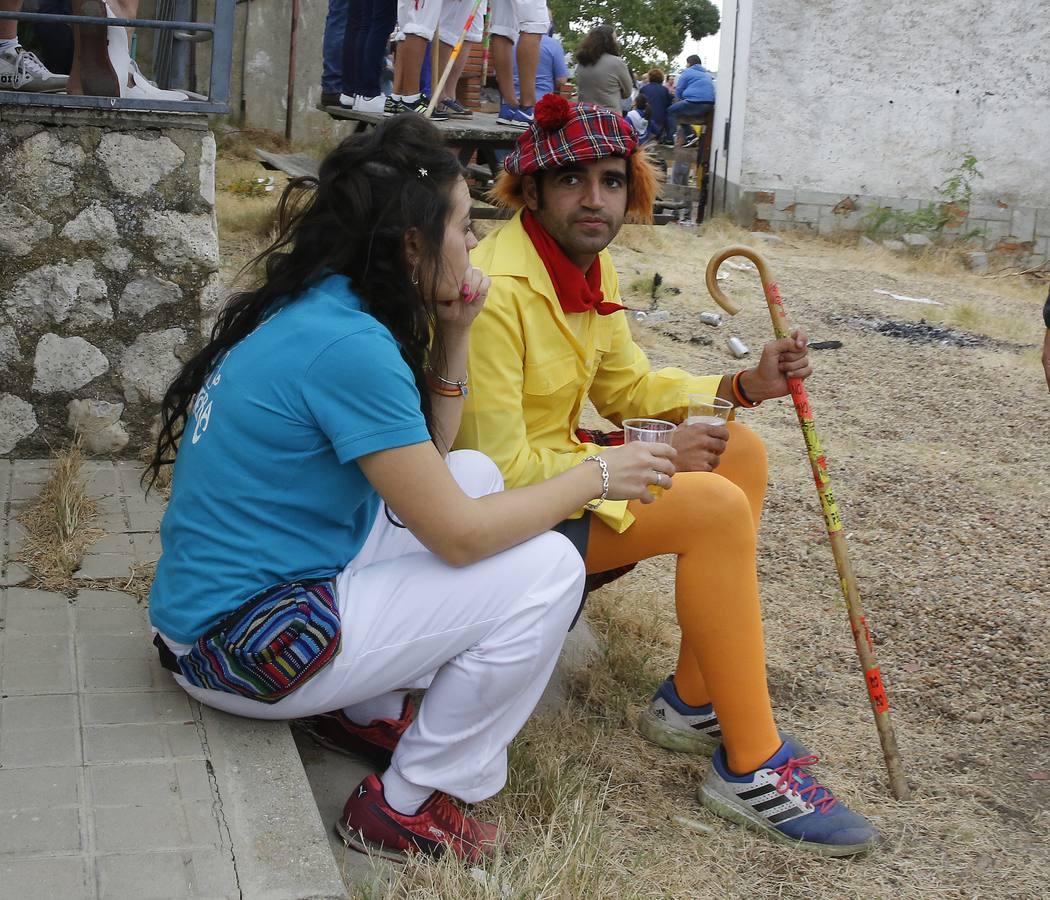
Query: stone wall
x=108, y=262
x=1017, y=234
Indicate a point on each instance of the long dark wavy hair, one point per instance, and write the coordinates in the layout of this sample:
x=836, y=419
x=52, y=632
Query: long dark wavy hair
x=351, y=219
x=598, y=41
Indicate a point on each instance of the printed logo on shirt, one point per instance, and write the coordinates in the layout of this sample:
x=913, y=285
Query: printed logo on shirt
x=204, y=403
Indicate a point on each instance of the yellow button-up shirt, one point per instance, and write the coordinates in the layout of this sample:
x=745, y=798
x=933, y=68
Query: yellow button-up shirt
x=532, y=365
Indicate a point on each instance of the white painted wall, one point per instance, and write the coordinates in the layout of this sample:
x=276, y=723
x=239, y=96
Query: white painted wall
x=882, y=99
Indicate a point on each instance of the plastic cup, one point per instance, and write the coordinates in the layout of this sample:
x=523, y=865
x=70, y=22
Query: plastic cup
x=649, y=431
x=705, y=409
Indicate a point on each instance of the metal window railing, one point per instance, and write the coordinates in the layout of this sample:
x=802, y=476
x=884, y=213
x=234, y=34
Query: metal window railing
x=220, y=32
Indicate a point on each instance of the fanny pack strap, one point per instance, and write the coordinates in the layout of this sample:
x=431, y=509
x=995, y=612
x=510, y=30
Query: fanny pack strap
x=167, y=658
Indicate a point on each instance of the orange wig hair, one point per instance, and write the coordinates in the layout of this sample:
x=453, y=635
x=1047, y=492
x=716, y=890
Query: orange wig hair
x=641, y=189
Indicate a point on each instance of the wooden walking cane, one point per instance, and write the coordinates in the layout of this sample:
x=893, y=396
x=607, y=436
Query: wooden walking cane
x=435, y=97
x=880, y=705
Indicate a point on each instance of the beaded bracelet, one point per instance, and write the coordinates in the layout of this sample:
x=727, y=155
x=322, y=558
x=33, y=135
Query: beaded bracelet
x=738, y=393
x=598, y=501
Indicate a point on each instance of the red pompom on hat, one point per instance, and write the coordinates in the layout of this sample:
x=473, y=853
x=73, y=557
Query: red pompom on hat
x=552, y=112
x=564, y=132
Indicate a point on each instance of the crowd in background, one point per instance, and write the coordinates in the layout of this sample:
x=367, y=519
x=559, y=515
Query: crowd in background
x=377, y=58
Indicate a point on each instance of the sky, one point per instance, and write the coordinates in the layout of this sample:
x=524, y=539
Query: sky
x=707, y=49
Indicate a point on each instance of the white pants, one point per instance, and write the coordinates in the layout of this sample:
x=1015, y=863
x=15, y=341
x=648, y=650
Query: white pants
x=420, y=19
x=454, y=15
x=483, y=639
x=512, y=16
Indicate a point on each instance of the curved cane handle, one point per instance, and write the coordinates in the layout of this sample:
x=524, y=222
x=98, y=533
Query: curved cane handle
x=769, y=287
x=720, y=257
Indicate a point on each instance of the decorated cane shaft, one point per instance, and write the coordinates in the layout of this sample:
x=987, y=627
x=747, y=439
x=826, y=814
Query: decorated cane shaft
x=440, y=87
x=833, y=521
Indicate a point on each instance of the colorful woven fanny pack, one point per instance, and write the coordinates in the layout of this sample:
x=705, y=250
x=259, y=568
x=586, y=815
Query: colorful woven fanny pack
x=269, y=646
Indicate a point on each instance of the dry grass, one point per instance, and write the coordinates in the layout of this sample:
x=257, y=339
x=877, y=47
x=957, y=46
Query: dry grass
x=251, y=214
x=59, y=523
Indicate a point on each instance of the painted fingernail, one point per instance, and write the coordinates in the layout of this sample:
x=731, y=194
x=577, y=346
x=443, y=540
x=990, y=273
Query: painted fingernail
x=465, y=290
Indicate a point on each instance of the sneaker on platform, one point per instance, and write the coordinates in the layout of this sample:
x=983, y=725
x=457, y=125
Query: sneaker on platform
x=375, y=741
x=513, y=116
x=783, y=799
x=375, y=104
x=455, y=109
x=330, y=98
x=21, y=70
x=671, y=723
x=371, y=825
x=390, y=106
x=419, y=107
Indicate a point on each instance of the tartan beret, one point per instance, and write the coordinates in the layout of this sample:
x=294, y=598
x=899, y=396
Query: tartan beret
x=565, y=132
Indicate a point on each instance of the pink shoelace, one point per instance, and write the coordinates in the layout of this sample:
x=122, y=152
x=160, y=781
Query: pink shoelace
x=795, y=768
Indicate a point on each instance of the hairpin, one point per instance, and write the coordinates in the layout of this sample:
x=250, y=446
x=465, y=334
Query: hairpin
x=422, y=173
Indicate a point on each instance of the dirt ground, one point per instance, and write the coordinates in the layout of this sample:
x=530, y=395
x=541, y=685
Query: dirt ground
x=938, y=460
x=938, y=456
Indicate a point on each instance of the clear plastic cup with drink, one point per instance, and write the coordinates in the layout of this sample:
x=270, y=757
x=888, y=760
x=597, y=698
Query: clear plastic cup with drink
x=650, y=431
x=707, y=409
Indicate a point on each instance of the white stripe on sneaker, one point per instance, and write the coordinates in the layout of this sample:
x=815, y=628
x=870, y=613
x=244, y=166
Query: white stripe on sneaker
x=762, y=796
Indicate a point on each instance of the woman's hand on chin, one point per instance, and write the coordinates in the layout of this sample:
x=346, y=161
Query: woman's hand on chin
x=461, y=312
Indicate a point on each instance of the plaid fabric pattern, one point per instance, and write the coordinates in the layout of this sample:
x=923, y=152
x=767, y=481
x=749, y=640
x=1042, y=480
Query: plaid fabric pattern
x=588, y=132
x=603, y=439
x=270, y=645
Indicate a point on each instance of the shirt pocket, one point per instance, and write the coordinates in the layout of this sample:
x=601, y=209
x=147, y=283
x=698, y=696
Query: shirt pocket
x=544, y=377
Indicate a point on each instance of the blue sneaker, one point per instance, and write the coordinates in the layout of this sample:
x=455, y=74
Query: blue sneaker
x=513, y=116
x=669, y=722
x=455, y=109
x=782, y=799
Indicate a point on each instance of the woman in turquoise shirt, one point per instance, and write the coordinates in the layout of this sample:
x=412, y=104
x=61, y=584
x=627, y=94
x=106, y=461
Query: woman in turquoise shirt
x=322, y=552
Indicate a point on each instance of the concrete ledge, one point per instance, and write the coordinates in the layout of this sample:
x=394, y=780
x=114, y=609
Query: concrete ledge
x=109, y=119
x=280, y=846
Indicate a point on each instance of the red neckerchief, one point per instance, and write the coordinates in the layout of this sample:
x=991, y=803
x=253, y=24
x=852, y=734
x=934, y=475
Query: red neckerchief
x=576, y=291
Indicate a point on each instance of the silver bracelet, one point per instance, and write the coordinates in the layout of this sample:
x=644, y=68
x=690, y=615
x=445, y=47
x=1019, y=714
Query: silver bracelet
x=598, y=501
x=454, y=384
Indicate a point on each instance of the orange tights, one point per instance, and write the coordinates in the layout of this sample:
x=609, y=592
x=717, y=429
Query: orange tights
x=709, y=520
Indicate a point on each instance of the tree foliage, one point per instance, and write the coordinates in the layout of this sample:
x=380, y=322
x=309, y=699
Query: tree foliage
x=651, y=32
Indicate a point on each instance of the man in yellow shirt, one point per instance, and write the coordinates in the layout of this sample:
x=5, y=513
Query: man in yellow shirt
x=552, y=335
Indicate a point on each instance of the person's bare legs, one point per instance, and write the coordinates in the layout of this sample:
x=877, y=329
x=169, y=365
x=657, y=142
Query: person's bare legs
x=90, y=46
x=457, y=67
x=528, y=62
x=9, y=27
x=408, y=62
x=502, y=48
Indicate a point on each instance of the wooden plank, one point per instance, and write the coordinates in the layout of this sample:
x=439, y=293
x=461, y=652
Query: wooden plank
x=481, y=128
x=672, y=154
x=294, y=164
x=679, y=192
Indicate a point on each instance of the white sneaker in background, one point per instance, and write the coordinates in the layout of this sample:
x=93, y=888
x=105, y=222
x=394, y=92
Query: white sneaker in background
x=370, y=104
x=21, y=70
x=346, y=101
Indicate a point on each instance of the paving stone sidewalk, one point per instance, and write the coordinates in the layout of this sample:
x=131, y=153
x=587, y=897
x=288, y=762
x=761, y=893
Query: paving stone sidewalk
x=113, y=784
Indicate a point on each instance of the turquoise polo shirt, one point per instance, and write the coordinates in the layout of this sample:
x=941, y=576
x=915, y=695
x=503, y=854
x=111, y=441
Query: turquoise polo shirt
x=266, y=486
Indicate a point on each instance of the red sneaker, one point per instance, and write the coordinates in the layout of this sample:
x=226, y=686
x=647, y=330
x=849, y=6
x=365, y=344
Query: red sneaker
x=370, y=825
x=375, y=741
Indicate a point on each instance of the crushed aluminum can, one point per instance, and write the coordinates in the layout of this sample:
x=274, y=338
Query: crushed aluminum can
x=711, y=318
x=737, y=347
